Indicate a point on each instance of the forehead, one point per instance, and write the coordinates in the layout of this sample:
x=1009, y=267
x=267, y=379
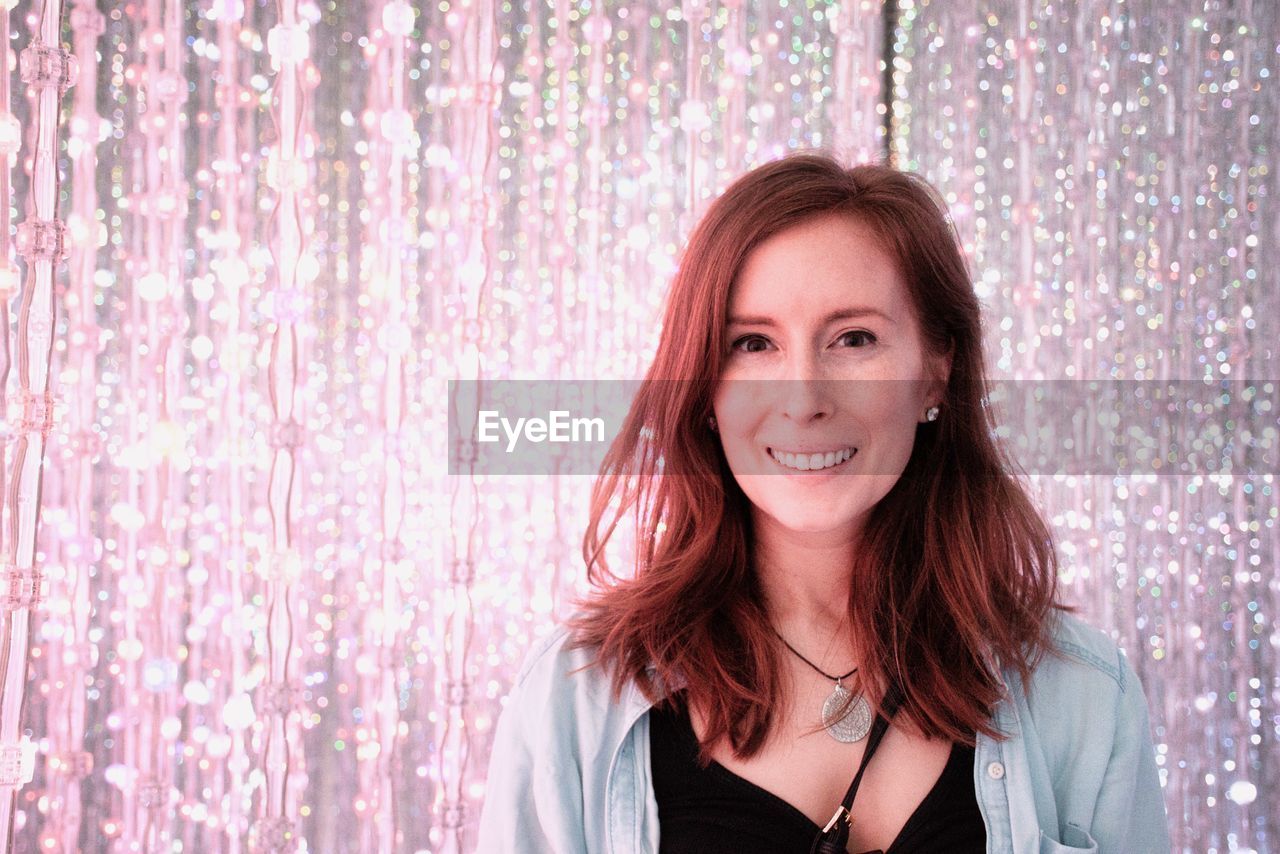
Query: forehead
x=831, y=257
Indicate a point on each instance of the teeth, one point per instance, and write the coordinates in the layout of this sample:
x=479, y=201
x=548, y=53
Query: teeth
x=811, y=462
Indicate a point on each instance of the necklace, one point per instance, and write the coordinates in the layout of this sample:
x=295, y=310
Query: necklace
x=856, y=722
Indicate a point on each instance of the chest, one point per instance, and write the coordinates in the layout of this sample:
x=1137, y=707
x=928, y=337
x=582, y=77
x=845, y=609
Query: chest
x=812, y=771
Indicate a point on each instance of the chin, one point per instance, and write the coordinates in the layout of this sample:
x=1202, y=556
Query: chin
x=812, y=523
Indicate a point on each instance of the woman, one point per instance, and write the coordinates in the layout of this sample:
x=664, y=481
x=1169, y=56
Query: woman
x=832, y=539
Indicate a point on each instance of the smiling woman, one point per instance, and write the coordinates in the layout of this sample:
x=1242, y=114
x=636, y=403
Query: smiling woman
x=837, y=567
x=809, y=379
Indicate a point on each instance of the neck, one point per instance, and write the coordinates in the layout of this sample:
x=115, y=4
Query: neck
x=805, y=579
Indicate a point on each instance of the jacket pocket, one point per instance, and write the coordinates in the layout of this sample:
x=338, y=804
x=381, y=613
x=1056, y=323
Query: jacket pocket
x=1074, y=839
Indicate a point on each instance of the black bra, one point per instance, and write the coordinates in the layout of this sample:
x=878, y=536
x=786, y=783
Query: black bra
x=712, y=810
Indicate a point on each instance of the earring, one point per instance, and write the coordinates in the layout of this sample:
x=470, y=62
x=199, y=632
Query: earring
x=931, y=414
x=711, y=422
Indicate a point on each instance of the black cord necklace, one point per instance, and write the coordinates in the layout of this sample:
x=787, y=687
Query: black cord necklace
x=811, y=664
x=856, y=721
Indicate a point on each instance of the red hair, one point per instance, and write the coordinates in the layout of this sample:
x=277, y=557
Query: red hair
x=957, y=572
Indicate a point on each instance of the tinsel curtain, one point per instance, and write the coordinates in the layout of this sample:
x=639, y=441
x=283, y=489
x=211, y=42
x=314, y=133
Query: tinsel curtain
x=247, y=245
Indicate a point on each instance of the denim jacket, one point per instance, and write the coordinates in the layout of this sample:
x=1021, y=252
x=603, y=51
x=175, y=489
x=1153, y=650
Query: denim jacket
x=570, y=773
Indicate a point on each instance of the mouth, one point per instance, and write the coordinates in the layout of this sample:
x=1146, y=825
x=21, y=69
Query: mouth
x=816, y=462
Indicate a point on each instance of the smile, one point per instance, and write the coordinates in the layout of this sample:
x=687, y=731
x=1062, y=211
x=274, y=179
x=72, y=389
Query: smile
x=812, y=462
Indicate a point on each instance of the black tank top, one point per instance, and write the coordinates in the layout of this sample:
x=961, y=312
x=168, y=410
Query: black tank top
x=714, y=811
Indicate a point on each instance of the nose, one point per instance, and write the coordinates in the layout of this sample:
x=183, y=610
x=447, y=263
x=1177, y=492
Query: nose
x=806, y=394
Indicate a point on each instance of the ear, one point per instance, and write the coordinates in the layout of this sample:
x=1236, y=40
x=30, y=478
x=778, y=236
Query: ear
x=940, y=373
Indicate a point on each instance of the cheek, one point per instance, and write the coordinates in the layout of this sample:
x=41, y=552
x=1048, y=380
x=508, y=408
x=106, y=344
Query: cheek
x=735, y=404
x=741, y=456
x=886, y=400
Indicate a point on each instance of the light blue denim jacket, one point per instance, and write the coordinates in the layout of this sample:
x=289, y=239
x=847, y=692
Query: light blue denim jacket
x=569, y=770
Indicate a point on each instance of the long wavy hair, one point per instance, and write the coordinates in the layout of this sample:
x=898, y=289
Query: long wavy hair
x=957, y=573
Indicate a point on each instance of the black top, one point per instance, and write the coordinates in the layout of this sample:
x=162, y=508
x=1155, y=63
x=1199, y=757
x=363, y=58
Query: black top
x=712, y=810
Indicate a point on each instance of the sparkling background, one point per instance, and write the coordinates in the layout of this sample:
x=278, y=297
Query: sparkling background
x=271, y=621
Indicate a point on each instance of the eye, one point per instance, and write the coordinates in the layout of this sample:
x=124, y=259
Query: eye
x=734, y=345
x=860, y=332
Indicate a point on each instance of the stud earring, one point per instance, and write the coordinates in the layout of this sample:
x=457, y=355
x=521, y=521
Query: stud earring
x=931, y=414
x=711, y=422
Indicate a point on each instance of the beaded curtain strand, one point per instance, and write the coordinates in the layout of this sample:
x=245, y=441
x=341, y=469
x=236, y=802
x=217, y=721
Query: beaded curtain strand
x=68, y=617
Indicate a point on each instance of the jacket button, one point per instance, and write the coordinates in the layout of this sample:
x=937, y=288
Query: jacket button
x=995, y=770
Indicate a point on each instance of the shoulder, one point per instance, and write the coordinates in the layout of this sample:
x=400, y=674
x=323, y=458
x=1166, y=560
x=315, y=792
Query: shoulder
x=1082, y=670
x=1090, y=649
x=543, y=656
x=565, y=683
x=1083, y=693
x=561, y=722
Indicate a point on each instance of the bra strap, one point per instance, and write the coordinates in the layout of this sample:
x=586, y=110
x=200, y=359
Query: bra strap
x=835, y=836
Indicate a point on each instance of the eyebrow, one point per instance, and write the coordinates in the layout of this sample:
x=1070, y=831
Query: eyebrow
x=832, y=317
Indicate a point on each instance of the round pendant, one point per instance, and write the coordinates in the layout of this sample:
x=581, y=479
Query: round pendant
x=856, y=723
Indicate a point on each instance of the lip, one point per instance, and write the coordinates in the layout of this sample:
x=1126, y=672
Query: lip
x=808, y=449
x=820, y=474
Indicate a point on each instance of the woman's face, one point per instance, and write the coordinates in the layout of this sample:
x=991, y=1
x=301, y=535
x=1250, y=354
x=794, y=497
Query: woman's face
x=825, y=356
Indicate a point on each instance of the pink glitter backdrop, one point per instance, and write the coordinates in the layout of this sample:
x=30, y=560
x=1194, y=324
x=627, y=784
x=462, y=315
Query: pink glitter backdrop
x=245, y=607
